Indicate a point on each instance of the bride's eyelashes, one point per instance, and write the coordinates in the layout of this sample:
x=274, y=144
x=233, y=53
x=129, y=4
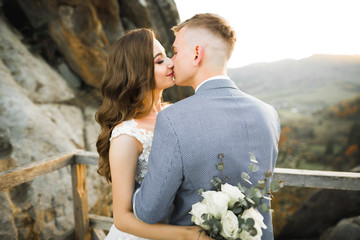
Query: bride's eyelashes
x=160, y=61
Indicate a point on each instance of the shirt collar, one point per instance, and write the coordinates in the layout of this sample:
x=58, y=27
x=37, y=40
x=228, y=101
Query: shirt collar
x=212, y=78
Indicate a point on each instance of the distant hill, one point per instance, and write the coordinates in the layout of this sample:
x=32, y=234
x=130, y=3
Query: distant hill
x=307, y=85
x=346, y=109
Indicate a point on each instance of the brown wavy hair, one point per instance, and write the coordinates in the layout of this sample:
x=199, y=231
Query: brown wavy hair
x=127, y=88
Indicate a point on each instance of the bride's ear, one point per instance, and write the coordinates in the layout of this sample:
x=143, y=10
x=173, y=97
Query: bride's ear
x=199, y=53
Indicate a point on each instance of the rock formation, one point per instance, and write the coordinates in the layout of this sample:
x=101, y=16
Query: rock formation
x=52, y=57
x=320, y=215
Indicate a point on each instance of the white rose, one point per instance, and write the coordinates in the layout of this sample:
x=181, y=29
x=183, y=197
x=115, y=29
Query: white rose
x=216, y=202
x=197, y=210
x=230, y=225
x=234, y=193
x=254, y=214
x=259, y=223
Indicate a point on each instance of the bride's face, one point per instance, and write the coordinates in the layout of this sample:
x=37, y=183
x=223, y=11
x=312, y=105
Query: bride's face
x=163, y=67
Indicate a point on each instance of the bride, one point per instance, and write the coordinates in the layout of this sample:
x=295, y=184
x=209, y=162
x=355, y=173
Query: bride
x=138, y=71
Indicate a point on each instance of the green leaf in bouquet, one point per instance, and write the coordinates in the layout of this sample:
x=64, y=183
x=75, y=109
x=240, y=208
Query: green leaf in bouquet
x=200, y=191
x=267, y=198
x=253, y=167
x=205, y=216
x=253, y=158
x=268, y=174
x=256, y=199
x=248, y=181
x=246, y=177
x=255, y=195
x=275, y=186
x=244, y=203
x=219, y=237
x=214, y=183
x=249, y=192
x=241, y=221
x=218, y=180
x=244, y=227
x=261, y=184
x=263, y=191
x=265, y=207
x=267, y=189
x=250, y=222
x=220, y=166
x=252, y=231
x=258, y=193
x=237, y=204
x=249, y=200
x=211, y=221
x=237, y=210
x=215, y=226
x=242, y=188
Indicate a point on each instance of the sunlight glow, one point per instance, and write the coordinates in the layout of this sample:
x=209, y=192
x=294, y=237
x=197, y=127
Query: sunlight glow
x=272, y=30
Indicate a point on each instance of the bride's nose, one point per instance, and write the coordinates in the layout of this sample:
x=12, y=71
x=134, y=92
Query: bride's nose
x=170, y=63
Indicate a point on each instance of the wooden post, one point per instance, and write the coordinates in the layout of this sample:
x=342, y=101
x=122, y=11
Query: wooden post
x=78, y=175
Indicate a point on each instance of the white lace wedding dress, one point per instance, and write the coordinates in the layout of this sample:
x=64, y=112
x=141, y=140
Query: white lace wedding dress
x=145, y=138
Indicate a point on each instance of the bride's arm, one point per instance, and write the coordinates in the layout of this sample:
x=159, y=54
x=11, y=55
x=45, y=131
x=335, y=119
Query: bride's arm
x=123, y=155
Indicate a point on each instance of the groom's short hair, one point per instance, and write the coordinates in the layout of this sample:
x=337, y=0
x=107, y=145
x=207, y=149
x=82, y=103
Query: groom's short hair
x=213, y=23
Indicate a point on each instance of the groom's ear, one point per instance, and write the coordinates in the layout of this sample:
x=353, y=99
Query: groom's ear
x=199, y=53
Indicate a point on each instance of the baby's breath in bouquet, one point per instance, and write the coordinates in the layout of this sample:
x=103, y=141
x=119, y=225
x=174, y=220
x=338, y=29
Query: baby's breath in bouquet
x=231, y=212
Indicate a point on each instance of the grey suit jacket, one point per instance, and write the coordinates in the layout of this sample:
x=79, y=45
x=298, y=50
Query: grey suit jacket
x=188, y=138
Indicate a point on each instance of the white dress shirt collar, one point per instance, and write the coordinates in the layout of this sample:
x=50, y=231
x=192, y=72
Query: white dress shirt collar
x=212, y=78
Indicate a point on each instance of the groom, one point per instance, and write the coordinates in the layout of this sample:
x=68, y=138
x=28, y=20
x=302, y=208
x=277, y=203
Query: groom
x=190, y=134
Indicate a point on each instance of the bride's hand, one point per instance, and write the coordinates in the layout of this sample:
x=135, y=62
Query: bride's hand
x=195, y=233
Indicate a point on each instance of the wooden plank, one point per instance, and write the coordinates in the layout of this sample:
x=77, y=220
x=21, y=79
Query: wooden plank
x=84, y=157
x=79, y=187
x=19, y=175
x=100, y=222
x=98, y=234
x=291, y=177
x=318, y=179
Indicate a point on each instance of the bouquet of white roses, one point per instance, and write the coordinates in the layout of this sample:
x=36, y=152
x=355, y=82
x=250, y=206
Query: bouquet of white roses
x=231, y=212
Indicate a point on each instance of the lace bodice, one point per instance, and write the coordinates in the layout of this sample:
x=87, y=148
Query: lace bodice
x=144, y=137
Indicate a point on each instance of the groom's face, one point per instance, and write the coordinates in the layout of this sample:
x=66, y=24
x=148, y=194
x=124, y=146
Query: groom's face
x=183, y=55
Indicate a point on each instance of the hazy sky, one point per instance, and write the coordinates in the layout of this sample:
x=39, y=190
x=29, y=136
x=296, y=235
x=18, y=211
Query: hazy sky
x=271, y=30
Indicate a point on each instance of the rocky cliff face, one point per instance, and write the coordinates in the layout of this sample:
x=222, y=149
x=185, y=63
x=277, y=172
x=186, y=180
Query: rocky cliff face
x=52, y=57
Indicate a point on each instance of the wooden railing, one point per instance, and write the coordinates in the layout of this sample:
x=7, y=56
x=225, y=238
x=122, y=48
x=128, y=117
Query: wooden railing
x=89, y=226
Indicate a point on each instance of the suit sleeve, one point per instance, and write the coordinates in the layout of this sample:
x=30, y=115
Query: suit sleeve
x=152, y=201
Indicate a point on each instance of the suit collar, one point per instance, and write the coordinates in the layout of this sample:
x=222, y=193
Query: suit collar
x=216, y=83
x=212, y=78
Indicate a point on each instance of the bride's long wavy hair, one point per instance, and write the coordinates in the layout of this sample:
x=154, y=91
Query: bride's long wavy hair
x=127, y=88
